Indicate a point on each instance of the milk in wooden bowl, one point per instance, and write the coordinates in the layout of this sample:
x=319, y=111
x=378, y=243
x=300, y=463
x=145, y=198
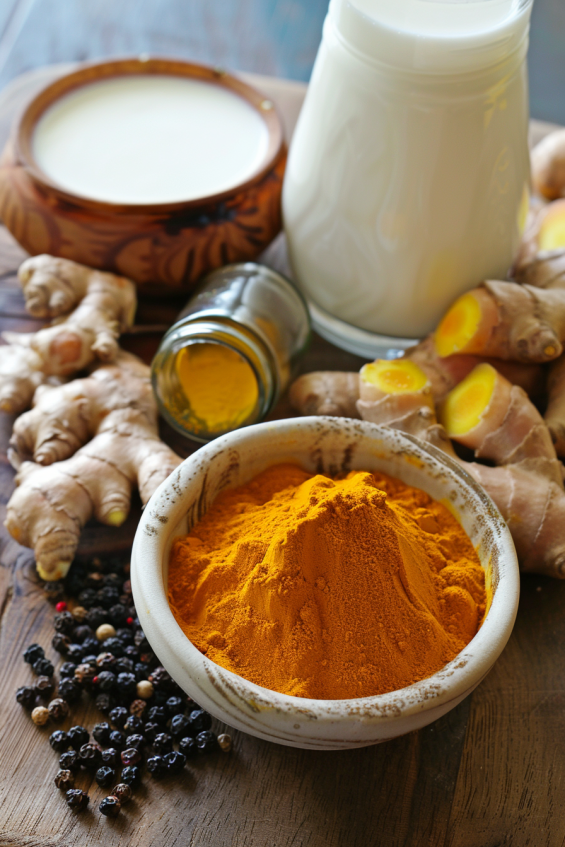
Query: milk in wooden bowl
x=156, y=169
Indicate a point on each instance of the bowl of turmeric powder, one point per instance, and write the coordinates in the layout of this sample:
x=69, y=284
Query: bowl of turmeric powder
x=324, y=582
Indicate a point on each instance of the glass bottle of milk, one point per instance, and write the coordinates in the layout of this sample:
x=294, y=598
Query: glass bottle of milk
x=408, y=175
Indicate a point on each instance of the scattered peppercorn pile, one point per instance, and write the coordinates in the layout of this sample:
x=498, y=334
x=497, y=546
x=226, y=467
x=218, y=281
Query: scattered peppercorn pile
x=107, y=657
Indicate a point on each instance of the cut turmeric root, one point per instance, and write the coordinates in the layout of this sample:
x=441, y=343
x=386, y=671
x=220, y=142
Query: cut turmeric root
x=399, y=376
x=507, y=321
x=497, y=420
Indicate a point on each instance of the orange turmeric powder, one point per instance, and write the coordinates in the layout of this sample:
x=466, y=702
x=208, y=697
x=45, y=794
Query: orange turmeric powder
x=327, y=588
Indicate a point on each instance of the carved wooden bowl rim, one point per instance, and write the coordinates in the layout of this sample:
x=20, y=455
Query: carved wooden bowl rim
x=98, y=71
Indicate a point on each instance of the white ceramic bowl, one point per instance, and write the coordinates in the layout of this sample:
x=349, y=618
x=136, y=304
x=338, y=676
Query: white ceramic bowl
x=327, y=445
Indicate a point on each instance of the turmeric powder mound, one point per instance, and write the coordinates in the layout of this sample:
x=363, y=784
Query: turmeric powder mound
x=327, y=588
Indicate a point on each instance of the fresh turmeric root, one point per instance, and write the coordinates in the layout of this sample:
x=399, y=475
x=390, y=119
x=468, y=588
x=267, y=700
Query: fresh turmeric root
x=80, y=450
x=524, y=323
x=104, y=306
x=528, y=490
x=497, y=420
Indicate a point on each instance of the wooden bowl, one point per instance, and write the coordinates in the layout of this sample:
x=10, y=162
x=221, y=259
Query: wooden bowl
x=322, y=445
x=169, y=243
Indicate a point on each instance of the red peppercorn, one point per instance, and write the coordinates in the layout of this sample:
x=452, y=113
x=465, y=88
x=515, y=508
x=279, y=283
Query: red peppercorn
x=129, y=621
x=61, y=606
x=95, y=680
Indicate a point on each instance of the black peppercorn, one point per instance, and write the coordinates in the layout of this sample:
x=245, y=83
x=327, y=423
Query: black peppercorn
x=44, y=686
x=113, y=579
x=58, y=709
x=160, y=678
x=157, y=766
x=106, y=662
x=133, y=725
x=91, y=646
x=33, y=653
x=124, y=665
x=117, y=739
x=77, y=799
x=163, y=743
x=84, y=673
x=64, y=779
x=90, y=755
x=78, y=736
x=69, y=761
x=105, y=776
x=174, y=706
x=123, y=792
x=25, y=696
x=157, y=714
x=114, y=645
x=110, y=806
x=70, y=690
x=151, y=730
x=106, y=681
x=59, y=740
x=111, y=757
x=175, y=761
x=206, y=742
x=125, y=635
x=188, y=747
x=181, y=726
x=118, y=615
x=67, y=669
x=75, y=652
x=105, y=702
x=88, y=599
x=43, y=667
x=96, y=617
x=119, y=716
x=64, y=623
x=108, y=596
x=136, y=740
x=83, y=632
x=131, y=775
x=131, y=756
x=101, y=732
x=61, y=643
x=199, y=721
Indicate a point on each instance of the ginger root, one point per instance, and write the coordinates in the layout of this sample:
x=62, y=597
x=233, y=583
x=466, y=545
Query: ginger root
x=103, y=306
x=326, y=393
x=66, y=483
x=548, y=165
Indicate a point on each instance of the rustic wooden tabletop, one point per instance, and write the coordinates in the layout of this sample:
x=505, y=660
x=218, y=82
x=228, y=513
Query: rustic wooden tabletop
x=491, y=773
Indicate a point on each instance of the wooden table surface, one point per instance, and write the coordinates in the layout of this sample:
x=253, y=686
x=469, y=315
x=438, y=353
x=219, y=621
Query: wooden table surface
x=490, y=773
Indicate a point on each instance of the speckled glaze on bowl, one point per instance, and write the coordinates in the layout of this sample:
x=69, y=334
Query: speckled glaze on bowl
x=329, y=445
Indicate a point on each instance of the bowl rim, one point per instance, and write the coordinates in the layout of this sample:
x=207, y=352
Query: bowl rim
x=451, y=682
x=99, y=71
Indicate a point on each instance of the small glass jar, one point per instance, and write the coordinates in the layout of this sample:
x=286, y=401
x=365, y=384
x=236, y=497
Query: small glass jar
x=232, y=352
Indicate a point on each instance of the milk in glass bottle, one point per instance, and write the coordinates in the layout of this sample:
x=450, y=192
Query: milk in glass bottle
x=407, y=180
